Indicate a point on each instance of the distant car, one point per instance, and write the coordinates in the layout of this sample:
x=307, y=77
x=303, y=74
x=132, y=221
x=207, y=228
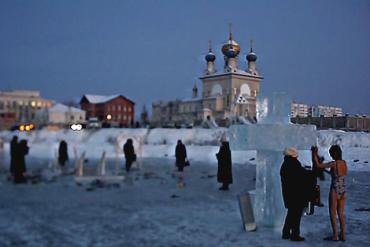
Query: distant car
x=23, y=127
x=77, y=126
x=94, y=122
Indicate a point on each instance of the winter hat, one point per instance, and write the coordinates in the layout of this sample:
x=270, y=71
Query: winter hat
x=291, y=151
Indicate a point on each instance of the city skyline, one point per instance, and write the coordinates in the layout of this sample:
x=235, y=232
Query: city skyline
x=317, y=52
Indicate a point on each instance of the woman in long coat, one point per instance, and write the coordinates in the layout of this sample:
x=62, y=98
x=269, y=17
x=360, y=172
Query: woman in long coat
x=20, y=163
x=128, y=150
x=13, y=154
x=180, y=154
x=63, y=153
x=224, y=171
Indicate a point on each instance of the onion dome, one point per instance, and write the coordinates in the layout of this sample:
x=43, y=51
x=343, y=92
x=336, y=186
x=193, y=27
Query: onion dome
x=210, y=57
x=231, y=53
x=251, y=56
x=231, y=45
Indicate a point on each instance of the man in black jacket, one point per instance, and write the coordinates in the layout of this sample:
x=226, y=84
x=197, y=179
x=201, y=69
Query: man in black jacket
x=294, y=184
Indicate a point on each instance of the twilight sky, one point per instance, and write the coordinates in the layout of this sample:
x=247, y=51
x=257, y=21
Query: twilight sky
x=317, y=51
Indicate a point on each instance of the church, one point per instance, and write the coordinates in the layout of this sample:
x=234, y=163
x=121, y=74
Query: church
x=228, y=95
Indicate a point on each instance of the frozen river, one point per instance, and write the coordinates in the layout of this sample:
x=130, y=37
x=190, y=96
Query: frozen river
x=148, y=209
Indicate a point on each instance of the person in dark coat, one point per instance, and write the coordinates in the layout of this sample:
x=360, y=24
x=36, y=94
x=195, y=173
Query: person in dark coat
x=315, y=197
x=20, y=162
x=319, y=172
x=63, y=153
x=224, y=171
x=13, y=154
x=295, y=183
x=129, y=152
x=180, y=154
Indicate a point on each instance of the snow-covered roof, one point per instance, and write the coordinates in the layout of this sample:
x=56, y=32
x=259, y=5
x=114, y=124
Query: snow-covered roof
x=63, y=108
x=96, y=99
x=99, y=99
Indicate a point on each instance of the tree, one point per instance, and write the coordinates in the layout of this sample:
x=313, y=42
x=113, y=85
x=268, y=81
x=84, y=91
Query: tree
x=144, y=117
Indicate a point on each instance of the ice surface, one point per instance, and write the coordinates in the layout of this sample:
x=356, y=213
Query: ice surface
x=145, y=213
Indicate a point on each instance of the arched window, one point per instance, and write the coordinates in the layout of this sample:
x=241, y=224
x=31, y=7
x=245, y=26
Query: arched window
x=216, y=90
x=245, y=90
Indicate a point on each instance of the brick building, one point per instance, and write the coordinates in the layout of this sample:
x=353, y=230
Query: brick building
x=115, y=110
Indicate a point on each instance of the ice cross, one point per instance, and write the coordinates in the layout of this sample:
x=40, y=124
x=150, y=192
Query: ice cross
x=269, y=137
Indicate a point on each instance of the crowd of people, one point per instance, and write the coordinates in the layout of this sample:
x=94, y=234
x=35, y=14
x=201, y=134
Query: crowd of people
x=299, y=186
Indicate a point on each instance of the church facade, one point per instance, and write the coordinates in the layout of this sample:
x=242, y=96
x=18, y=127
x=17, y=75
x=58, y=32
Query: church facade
x=228, y=95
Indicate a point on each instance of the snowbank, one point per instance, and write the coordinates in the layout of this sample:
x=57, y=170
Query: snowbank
x=327, y=138
x=202, y=144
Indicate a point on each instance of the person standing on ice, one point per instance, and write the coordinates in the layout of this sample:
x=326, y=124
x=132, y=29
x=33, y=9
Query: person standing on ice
x=180, y=154
x=13, y=154
x=20, y=163
x=294, y=185
x=130, y=156
x=224, y=170
x=62, y=153
x=337, y=193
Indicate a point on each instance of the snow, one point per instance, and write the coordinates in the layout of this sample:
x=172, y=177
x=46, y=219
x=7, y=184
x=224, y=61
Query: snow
x=201, y=144
x=97, y=99
x=63, y=108
x=149, y=208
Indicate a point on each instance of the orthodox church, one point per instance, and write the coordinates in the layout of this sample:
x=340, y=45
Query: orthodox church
x=228, y=95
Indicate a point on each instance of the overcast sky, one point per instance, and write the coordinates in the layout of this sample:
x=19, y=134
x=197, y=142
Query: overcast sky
x=317, y=51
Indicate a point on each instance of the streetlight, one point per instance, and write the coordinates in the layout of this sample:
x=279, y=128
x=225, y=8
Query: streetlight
x=109, y=117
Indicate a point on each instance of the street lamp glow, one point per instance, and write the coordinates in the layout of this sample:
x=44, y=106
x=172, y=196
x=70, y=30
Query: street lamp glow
x=109, y=117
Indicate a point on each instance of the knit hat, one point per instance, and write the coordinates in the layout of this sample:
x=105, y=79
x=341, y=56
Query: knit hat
x=291, y=151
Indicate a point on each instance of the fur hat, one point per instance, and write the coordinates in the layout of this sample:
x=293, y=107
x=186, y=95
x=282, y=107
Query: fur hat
x=291, y=151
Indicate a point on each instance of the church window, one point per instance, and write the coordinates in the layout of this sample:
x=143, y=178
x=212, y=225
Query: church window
x=245, y=90
x=216, y=90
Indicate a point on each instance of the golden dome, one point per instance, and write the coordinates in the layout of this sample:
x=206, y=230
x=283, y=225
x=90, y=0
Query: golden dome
x=230, y=45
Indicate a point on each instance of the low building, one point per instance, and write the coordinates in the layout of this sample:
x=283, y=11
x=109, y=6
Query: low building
x=21, y=106
x=347, y=123
x=64, y=115
x=299, y=110
x=114, y=110
x=326, y=111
